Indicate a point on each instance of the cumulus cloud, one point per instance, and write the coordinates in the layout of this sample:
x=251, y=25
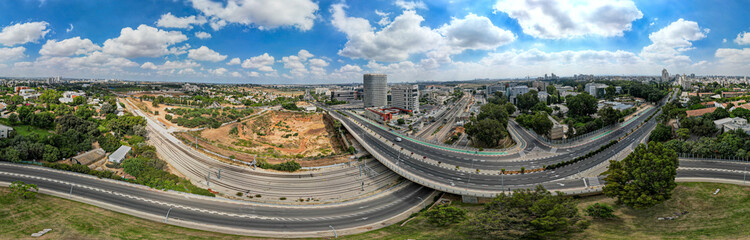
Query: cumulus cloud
x=68, y=47
x=261, y=62
x=349, y=68
x=743, y=38
x=202, y=35
x=144, y=41
x=170, y=21
x=7, y=54
x=475, y=32
x=234, y=61
x=669, y=42
x=410, y=5
x=735, y=56
x=405, y=36
x=218, y=71
x=556, y=19
x=171, y=65
x=69, y=29
x=236, y=74
x=21, y=33
x=94, y=60
x=204, y=53
x=395, y=42
x=261, y=13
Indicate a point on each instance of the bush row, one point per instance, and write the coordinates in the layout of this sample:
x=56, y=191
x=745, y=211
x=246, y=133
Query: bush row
x=579, y=158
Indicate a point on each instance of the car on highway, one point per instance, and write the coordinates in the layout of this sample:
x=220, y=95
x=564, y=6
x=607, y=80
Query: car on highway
x=398, y=139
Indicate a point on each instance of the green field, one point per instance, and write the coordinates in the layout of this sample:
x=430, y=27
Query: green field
x=722, y=216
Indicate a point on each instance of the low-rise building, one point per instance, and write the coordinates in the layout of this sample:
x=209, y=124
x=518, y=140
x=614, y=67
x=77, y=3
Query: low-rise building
x=344, y=95
x=700, y=112
x=119, y=154
x=5, y=131
x=89, y=157
x=729, y=124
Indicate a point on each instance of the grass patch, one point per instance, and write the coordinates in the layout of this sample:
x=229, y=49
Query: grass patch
x=26, y=130
x=722, y=216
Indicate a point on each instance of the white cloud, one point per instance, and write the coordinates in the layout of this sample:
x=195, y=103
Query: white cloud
x=149, y=65
x=475, y=32
x=144, y=41
x=395, y=42
x=724, y=40
x=22, y=33
x=406, y=36
x=171, y=65
x=409, y=5
x=261, y=62
x=217, y=24
x=737, y=56
x=95, y=60
x=69, y=29
x=177, y=51
x=669, y=42
x=236, y=74
x=253, y=74
x=203, y=53
x=384, y=19
x=218, y=71
x=262, y=13
x=317, y=62
x=743, y=38
x=234, y=61
x=349, y=68
x=202, y=35
x=304, y=54
x=170, y=21
x=556, y=19
x=7, y=54
x=68, y=47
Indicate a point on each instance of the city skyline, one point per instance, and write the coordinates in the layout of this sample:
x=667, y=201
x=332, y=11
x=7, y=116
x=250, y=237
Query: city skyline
x=301, y=41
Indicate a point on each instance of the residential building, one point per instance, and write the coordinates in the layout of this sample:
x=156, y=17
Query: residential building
x=664, y=75
x=596, y=89
x=491, y=90
x=700, y=112
x=515, y=91
x=5, y=131
x=119, y=154
x=405, y=97
x=542, y=96
x=728, y=124
x=375, y=90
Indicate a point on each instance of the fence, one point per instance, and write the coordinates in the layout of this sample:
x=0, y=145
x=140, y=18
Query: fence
x=692, y=156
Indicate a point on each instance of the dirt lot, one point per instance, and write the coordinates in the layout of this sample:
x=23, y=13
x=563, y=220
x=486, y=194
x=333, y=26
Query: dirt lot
x=149, y=108
x=278, y=136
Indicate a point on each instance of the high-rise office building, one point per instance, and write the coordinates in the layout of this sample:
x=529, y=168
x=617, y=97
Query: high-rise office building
x=405, y=97
x=664, y=75
x=375, y=90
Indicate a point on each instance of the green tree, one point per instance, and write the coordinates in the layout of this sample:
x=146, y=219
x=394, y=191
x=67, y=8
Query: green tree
x=234, y=131
x=107, y=109
x=401, y=121
x=539, y=122
x=581, y=105
x=644, y=178
x=527, y=100
x=444, y=215
x=20, y=189
x=486, y=133
x=109, y=143
x=609, y=115
x=683, y=133
x=51, y=153
x=661, y=133
x=600, y=210
x=527, y=214
x=12, y=155
x=79, y=100
x=610, y=91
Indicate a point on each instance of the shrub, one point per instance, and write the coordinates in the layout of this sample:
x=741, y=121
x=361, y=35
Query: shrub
x=602, y=211
x=443, y=215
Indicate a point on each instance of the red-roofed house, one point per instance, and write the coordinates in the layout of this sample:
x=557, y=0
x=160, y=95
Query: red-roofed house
x=700, y=112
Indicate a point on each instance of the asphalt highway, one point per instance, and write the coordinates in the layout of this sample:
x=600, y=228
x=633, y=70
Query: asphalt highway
x=217, y=212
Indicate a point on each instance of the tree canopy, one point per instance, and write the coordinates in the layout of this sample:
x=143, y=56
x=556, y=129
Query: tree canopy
x=528, y=214
x=644, y=178
x=581, y=105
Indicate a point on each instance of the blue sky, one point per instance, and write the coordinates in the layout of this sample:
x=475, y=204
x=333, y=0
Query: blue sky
x=304, y=41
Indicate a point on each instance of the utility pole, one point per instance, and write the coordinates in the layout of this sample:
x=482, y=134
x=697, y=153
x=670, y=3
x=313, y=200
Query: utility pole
x=422, y=201
x=208, y=180
x=219, y=175
x=70, y=195
x=744, y=177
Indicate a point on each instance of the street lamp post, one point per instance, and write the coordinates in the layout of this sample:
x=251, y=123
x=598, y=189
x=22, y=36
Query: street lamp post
x=167, y=216
x=335, y=235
